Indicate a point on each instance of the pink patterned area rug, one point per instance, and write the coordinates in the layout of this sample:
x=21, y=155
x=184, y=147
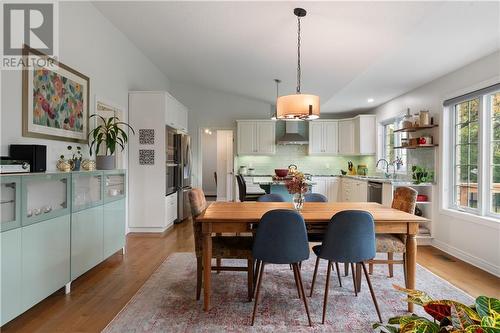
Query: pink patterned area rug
x=166, y=302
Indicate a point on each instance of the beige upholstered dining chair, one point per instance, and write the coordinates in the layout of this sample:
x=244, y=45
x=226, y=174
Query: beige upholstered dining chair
x=223, y=247
x=405, y=199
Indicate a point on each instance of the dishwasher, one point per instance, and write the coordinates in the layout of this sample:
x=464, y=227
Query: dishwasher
x=375, y=192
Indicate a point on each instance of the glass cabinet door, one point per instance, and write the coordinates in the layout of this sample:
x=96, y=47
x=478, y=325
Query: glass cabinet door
x=44, y=197
x=87, y=190
x=114, y=185
x=10, y=203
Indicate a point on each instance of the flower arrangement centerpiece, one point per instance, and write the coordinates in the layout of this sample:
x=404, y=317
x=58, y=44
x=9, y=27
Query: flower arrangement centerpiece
x=297, y=185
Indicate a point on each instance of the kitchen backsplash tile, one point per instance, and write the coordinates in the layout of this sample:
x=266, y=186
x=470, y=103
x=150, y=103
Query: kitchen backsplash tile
x=297, y=154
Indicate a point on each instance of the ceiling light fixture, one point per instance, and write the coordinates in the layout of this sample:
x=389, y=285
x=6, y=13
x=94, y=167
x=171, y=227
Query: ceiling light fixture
x=298, y=106
x=370, y=100
x=278, y=81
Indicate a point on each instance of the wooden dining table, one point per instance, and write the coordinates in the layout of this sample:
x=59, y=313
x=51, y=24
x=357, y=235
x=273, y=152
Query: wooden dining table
x=238, y=217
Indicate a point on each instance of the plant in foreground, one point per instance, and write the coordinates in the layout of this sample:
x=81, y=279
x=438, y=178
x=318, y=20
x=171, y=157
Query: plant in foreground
x=447, y=316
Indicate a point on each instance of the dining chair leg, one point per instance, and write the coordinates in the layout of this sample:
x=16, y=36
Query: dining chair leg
x=346, y=269
x=370, y=268
x=338, y=273
x=199, y=272
x=390, y=256
x=257, y=293
x=327, y=285
x=296, y=278
x=354, y=280
x=371, y=291
x=304, y=298
x=314, y=276
x=258, y=265
x=250, y=279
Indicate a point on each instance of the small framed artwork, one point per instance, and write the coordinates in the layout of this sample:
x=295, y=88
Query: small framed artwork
x=55, y=101
x=146, y=136
x=146, y=156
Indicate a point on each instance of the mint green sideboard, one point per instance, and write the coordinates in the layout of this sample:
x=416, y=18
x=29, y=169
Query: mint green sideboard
x=10, y=256
x=58, y=226
x=114, y=226
x=45, y=259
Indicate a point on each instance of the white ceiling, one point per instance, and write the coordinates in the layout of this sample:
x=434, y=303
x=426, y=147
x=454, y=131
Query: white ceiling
x=351, y=51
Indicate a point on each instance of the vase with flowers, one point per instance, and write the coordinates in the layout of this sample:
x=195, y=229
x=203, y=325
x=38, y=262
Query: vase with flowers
x=297, y=186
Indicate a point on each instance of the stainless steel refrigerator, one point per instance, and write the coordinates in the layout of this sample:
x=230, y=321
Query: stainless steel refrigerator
x=183, y=159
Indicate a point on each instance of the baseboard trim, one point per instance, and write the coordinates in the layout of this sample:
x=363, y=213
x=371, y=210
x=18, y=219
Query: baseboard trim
x=468, y=258
x=155, y=231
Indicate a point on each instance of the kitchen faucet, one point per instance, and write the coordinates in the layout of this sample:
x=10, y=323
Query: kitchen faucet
x=386, y=164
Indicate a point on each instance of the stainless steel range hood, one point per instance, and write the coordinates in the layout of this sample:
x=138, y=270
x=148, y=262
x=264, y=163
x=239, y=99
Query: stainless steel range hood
x=292, y=136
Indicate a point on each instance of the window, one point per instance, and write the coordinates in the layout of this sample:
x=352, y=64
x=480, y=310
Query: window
x=475, y=152
x=392, y=139
x=466, y=153
x=494, y=117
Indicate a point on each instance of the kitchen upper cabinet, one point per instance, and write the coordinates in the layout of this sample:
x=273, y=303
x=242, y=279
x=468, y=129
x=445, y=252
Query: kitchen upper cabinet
x=266, y=137
x=357, y=136
x=365, y=132
x=256, y=137
x=176, y=114
x=346, y=137
x=323, y=137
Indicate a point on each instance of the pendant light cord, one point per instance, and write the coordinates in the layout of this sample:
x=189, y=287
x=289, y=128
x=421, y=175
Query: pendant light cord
x=298, y=55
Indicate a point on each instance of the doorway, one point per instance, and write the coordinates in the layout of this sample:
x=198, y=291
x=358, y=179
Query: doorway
x=217, y=164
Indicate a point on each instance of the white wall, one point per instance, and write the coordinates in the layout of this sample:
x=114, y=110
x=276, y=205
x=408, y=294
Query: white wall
x=89, y=43
x=209, y=144
x=214, y=109
x=475, y=242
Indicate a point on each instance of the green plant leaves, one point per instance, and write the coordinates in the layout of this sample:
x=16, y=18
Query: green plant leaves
x=485, y=305
x=414, y=296
x=108, y=133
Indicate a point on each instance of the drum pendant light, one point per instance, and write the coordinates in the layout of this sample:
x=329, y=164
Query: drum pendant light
x=298, y=105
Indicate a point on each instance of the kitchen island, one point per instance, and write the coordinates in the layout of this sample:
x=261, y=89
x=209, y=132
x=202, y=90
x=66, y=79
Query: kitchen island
x=269, y=185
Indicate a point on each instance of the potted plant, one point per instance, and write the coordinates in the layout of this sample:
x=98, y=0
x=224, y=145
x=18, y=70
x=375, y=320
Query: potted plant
x=421, y=174
x=76, y=158
x=447, y=316
x=112, y=136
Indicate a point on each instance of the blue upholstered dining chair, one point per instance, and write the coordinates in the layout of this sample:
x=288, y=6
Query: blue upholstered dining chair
x=315, y=197
x=281, y=238
x=350, y=238
x=272, y=197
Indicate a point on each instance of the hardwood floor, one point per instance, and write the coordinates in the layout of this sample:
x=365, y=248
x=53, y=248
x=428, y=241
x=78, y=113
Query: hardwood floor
x=101, y=293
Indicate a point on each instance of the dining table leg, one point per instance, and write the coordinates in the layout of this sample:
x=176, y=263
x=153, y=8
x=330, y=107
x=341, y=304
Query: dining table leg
x=207, y=266
x=411, y=263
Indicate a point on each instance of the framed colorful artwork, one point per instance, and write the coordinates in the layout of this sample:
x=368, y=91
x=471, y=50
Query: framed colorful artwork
x=55, y=101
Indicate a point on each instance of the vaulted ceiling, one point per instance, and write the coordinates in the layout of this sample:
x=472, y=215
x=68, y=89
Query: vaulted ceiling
x=351, y=51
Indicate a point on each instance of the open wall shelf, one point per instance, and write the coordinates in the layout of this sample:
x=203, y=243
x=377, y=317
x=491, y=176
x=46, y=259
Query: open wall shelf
x=415, y=129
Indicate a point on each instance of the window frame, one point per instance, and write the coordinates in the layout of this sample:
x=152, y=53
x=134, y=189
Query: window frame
x=397, y=141
x=484, y=159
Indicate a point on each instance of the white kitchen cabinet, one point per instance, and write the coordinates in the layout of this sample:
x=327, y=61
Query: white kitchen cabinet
x=328, y=186
x=353, y=190
x=346, y=137
x=357, y=136
x=256, y=137
x=323, y=137
x=176, y=114
x=147, y=183
x=171, y=209
x=365, y=132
